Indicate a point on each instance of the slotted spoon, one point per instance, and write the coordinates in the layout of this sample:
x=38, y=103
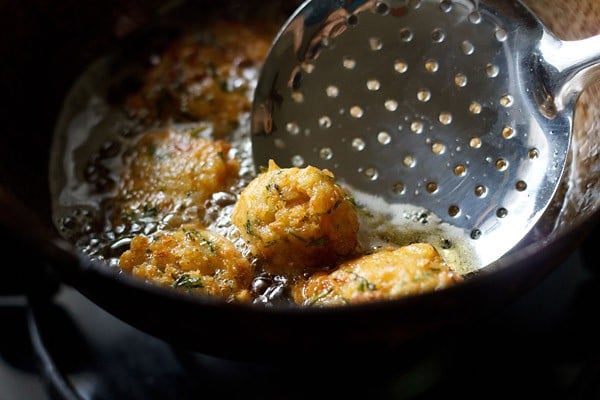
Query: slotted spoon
x=463, y=108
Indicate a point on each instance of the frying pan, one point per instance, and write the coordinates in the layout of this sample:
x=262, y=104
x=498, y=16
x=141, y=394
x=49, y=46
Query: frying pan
x=46, y=47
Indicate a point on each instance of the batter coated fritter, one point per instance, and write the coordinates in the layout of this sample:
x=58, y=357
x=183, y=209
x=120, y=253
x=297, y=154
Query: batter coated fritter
x=296, y=218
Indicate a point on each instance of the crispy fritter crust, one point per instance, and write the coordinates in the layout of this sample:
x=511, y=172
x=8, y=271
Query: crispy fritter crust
x=389, y=273
x=191, y=259
x=205, y=77
x=171, y=171
x=296, y=218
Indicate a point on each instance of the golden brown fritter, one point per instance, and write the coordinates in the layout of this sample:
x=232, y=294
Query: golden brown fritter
x=296, y=218
x=389, y=273
x=193, y=259
x=205, y=77
x=171, y=171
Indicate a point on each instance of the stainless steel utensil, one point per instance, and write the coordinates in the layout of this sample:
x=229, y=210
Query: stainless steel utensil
x=462, y=108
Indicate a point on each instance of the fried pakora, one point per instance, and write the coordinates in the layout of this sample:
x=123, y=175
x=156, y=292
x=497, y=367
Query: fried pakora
x=389, y=273
x=296, y=218
x=172, y=172
x=207, y=76
x=193, y=259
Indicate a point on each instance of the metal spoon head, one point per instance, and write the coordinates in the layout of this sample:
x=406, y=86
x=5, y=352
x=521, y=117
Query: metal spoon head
x=435, y=104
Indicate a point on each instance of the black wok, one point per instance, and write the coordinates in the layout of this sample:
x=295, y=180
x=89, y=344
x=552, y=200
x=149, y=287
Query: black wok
x=46, y=46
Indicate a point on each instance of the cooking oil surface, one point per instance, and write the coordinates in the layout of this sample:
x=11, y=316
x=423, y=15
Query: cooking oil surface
x=93, y=137
x=82, y=208
x=385, y=224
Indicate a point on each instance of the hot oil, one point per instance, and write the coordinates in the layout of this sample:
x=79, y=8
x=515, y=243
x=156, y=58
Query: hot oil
x=383, y=224
x=91, y=142
x=93, y=136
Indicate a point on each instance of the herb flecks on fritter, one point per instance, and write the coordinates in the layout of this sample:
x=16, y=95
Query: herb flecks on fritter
x=389, y=273
x=296, y=218
x=171, y=173
x=192, y=259
x=205, y=76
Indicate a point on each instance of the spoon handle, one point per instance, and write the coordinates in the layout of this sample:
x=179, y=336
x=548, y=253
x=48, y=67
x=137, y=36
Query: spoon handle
x=572, y=66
